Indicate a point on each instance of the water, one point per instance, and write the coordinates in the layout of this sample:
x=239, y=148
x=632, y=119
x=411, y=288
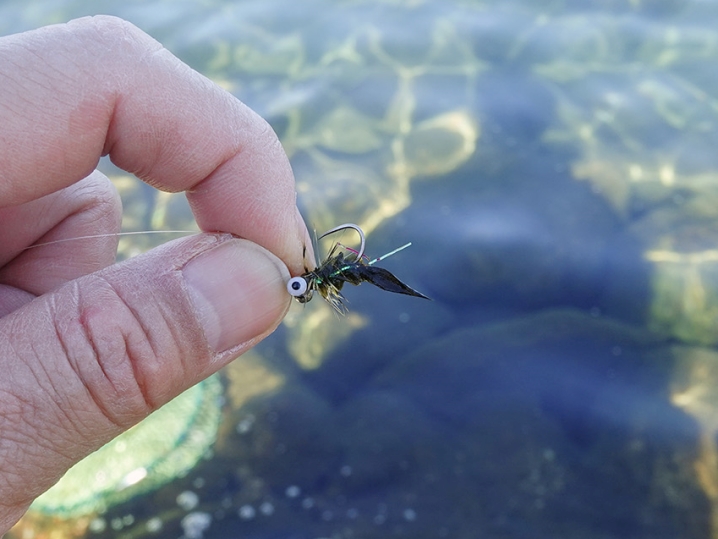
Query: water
x=554, y=166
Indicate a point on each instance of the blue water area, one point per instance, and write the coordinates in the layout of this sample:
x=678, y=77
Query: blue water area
x=554, y=165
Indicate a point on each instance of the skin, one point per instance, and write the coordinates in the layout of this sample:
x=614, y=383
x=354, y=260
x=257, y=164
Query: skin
x=87, y=348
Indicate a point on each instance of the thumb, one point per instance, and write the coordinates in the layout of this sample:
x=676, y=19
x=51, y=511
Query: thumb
x=89, y=360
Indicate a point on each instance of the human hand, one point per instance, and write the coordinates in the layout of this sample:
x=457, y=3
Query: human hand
x=87, y=349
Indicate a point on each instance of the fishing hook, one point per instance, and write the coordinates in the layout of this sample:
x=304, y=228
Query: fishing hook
x=359, y=231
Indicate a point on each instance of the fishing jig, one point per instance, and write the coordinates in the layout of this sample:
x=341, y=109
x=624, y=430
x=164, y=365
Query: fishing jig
x=329, y=276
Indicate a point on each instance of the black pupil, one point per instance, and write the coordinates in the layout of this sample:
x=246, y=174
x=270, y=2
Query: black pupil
x=296, y=285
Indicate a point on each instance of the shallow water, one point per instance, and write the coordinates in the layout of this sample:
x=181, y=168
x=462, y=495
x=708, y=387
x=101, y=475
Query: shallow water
x=554, y=166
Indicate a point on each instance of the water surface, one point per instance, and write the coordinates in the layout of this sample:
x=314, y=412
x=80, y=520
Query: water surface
x=554, y=165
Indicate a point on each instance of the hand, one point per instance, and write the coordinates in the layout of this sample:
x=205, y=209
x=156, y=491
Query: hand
x=88, y=349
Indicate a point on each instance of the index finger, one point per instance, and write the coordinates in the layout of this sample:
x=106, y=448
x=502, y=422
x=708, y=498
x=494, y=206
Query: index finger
x=98, y=85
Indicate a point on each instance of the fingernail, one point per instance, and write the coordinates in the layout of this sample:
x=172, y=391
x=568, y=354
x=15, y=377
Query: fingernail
x=239, y=291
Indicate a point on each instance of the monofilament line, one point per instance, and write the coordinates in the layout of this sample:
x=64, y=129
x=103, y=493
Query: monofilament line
x=116, y=234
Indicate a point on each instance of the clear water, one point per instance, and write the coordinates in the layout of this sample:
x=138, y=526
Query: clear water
x=554, y=165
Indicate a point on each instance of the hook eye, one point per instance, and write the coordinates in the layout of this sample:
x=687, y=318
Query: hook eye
x=297, y=286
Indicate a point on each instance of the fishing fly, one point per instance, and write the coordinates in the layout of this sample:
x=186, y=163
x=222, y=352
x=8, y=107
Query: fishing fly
x=327, y=278
x=355, y=268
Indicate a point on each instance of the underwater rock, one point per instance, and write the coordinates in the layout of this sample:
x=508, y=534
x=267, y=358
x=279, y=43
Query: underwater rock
x=516, y=107
x=506, y=240
x=291, y=439
x=559, y=412
x=391, y=325
x=384, y=436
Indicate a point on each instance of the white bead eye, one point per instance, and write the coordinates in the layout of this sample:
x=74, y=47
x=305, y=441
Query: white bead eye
x=296, y=286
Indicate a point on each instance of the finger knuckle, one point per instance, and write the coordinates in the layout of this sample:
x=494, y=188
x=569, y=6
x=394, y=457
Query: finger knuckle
x=98, y=198
x=111, y=30
x=105, y=344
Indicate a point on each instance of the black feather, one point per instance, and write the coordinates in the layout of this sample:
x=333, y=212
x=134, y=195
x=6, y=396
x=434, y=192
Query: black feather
x=385, y=280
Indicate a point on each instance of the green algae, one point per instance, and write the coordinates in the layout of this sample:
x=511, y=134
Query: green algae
x=164, y=446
